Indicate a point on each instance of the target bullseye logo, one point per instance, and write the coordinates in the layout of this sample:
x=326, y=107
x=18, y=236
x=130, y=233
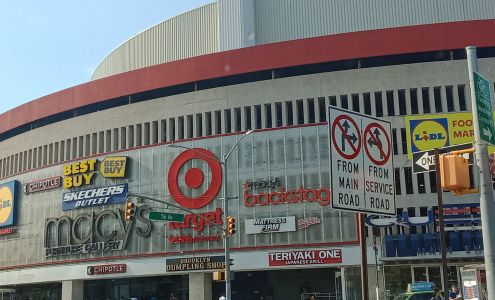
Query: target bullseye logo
x=194, y=178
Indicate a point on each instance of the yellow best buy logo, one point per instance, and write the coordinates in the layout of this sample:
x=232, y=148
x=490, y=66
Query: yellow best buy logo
x=429, y=133
x=7, y=203
x=113, y=167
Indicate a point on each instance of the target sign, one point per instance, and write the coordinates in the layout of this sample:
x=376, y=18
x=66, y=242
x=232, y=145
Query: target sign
x=194, y=178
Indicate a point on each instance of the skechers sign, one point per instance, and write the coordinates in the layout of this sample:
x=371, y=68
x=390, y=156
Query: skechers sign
x=95, y=197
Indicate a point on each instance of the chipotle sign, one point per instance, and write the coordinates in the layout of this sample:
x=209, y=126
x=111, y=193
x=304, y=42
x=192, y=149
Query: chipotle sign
x=305, y=257
x=107, y=269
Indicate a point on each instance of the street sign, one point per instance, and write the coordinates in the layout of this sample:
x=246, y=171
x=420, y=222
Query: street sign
x=361, y=163
x=165, y=216
x=484, y=106
x=424, y=161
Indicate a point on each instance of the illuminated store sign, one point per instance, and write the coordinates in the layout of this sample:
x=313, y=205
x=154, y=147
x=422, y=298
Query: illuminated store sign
x=262, y=184
x=405, y=219
x=88, y=232
x=43, y=185
x=194, y=178
x=196, y=263
x=7, y=231
x=270, y=225
x=181, y=239
x=306, y=222
x=79, y=173
x=199, y=224
x=107, y=269
x=94, y=197
x=8, y=200
x=321, y=196
x=113, y=167
x=305, y=257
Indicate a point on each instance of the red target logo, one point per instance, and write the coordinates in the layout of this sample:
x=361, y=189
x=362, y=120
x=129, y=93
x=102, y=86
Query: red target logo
x=194, y=178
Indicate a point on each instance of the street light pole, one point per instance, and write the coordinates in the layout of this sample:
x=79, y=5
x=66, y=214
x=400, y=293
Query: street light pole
x=223, y=162
x=225, y=157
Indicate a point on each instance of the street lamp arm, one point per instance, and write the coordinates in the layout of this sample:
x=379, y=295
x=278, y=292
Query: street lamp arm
x=224, y=230
x=225, y=157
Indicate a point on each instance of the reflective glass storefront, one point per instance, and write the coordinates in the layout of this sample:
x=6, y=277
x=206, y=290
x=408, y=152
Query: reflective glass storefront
x=397, y=277
x=143, y=288
x=283, y=284
x=49, y=291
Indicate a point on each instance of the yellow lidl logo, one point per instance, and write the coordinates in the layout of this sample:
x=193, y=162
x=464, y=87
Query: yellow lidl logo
x=7, y=203
x=429, y=133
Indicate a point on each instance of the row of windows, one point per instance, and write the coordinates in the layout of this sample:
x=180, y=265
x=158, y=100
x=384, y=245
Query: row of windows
x=269, y=115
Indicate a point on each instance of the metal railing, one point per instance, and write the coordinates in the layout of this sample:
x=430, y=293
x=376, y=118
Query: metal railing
x=322, y=296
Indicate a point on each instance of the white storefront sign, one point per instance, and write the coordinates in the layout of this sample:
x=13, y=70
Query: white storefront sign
x=270, y=225
x=361, y=163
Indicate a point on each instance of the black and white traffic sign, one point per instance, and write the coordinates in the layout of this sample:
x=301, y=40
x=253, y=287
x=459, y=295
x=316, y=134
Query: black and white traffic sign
x=361, y=163
x=424, y=161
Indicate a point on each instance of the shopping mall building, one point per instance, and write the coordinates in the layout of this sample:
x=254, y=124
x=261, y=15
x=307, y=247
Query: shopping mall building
x=200, y=80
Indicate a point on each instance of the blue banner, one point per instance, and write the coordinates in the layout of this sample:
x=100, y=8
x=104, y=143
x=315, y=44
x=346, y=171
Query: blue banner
x=94, y=197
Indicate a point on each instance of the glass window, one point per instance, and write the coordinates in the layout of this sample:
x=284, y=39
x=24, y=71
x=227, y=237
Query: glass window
x=278, y=114
x=419, y=274
x=434, y=276
x=413, y=93
x=268, y=116
x=367, y=103
x=355, y=102
x=247, y=117
x=426, y=100
x=402, y=102
x=323, y=109
x=450, y=98
x=290, y=113
x=390, y=103
x=343, y=101
x=462, y=97
x=378, y=104
x=438, y=99
x=397, y=278
x=311, y=111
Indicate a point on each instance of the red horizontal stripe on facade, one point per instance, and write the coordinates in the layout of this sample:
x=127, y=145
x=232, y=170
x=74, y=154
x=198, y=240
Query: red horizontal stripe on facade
x=402, y=40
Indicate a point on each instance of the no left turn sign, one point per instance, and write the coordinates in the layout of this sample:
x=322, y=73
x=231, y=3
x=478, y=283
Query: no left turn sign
x=377, y=143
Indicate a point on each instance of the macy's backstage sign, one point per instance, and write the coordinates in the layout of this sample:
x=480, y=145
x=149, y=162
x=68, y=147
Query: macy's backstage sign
x=89, y=232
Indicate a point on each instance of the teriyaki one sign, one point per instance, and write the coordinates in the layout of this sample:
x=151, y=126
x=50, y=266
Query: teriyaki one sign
x=361, y=163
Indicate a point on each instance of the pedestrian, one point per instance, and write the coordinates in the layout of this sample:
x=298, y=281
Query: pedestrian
x=454, y=293
x=437, y=295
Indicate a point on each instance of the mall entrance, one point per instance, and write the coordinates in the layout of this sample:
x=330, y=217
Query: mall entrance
x=284, y=284
x=142, y=288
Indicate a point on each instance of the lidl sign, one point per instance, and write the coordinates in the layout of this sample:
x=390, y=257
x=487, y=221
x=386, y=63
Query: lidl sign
x=438, y=130
x=8, y=199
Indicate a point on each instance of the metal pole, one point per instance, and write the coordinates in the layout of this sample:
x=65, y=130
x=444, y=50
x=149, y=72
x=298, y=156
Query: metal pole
x=487, y=205
x=228, y=294
x=441, y=225
x=364, y=259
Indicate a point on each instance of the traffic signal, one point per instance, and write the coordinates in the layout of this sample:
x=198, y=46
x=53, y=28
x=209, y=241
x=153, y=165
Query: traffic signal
x=230, y=226
x=219, y=276
x=129, y=210
x=454, y=173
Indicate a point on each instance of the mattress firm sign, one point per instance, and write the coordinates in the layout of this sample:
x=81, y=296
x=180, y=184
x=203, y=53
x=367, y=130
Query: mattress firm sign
x=195, y=263
x=94, y=197
x=270, y=225
x=305, y=257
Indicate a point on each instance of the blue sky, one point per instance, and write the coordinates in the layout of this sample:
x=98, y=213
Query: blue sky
x=47, y=46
